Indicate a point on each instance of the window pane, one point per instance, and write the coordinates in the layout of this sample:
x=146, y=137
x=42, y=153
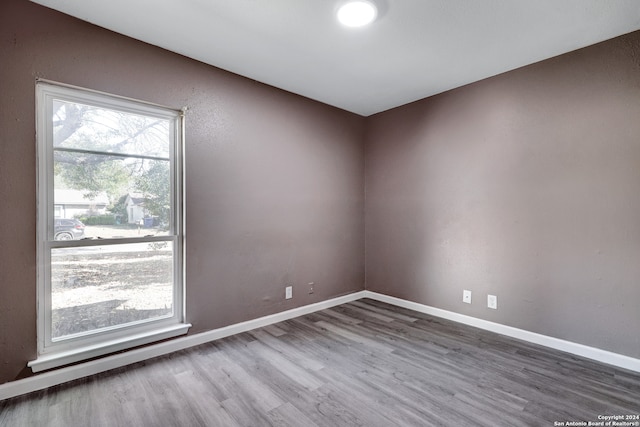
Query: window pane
x=110, y=197
x=92, y=128
x=103, y=286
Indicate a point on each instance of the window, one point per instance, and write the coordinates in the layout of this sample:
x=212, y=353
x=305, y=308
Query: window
x=110, y=238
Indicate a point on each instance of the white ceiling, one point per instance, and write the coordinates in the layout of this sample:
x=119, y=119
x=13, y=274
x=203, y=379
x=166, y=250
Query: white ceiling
x=415, y=49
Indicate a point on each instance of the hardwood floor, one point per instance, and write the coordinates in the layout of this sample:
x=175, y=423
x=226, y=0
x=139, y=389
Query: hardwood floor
x=364, y=363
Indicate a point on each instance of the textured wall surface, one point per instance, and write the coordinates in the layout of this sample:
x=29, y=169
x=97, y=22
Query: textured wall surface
x=274, y=181
x=525, y=186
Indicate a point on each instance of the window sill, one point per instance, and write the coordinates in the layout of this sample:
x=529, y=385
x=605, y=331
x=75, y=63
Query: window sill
x=54, y=360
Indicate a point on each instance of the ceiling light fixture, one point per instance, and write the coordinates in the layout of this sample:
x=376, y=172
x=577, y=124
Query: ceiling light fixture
x=357, y=13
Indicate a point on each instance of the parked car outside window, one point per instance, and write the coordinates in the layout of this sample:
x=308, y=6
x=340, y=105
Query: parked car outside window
x=68, y=229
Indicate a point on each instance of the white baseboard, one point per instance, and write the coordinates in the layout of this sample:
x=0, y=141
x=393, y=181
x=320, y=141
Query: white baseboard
x=593, y=353
x=70, y=373
x=62, y=375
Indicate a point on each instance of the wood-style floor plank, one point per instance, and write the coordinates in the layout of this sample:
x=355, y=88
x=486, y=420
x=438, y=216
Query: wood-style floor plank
x=364, y=363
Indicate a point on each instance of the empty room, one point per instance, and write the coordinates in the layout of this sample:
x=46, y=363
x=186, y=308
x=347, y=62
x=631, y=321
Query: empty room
x=320, y=213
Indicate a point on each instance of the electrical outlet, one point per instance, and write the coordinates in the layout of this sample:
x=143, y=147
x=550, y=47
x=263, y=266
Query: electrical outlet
x=492, y=302
x=466, y=296
x=311, y=285
x=288, y=292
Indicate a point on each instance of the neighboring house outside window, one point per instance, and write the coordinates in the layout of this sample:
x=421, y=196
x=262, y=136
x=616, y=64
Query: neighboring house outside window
x=135, y=208
x=74, y=204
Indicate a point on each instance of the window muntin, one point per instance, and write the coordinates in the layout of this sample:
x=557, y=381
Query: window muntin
x=103, y=276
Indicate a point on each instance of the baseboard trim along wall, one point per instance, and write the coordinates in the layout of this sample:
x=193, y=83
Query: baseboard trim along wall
x=593, y=353
x=70, y=373
x=62, y=375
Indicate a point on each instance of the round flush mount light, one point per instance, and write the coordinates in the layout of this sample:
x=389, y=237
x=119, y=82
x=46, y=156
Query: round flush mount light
x=357, y=13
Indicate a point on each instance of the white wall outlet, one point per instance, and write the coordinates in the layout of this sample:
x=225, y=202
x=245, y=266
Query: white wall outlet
x=492, y=302
x=466, y=296
x=288, y=292
x=311, y=285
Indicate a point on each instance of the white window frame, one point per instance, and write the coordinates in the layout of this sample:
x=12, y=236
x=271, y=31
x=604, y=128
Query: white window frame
x=53, y=353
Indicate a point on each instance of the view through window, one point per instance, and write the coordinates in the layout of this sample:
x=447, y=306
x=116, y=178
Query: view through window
x=109, y=216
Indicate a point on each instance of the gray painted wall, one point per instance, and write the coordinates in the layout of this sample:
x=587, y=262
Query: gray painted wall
x=274, y=181
x=525, y=186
